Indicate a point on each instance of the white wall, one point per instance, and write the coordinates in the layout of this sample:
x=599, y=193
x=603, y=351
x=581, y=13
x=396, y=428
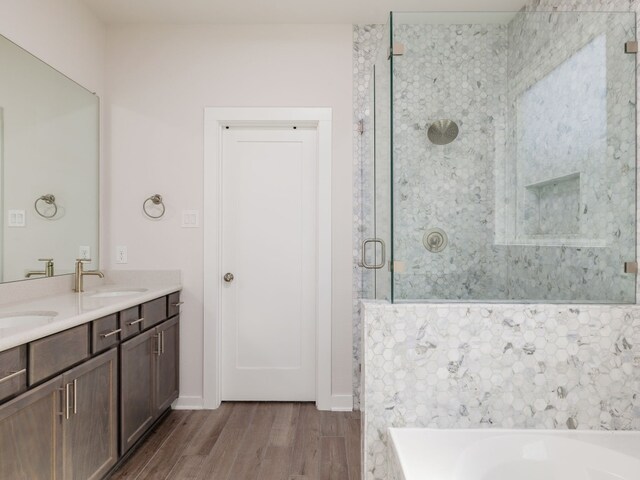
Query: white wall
x=63, y=33
x=158, y=81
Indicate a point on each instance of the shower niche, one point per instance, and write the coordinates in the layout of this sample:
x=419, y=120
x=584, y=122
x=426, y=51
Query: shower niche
x=558, y=114
x=552, y=207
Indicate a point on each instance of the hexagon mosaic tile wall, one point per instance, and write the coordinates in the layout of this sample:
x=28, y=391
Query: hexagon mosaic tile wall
x=487, y=365
x=501, y=366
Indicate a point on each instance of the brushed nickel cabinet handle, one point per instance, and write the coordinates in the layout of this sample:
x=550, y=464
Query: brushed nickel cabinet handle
x=62, y=401
x=13, y=375
x=135, y=322
x=157, y=337
x=113, y=332
x=75, y=396
x=162, y=342
x=66, y=401
x=177, y=304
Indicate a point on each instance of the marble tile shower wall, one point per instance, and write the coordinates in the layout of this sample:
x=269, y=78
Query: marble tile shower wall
x=594, y=162
x=529, y=366
x=456, y=72
x=366, y=40
x=500, y=366
x=525, y=261
x=494, y=80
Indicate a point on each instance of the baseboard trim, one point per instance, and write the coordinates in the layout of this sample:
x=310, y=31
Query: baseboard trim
x=188, y=403
x=341, y=403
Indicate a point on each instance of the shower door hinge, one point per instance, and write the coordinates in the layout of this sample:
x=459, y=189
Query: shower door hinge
x=631, y=47
x=361, y=127
x=630, y=267
x=397, y=267
x=397, y=50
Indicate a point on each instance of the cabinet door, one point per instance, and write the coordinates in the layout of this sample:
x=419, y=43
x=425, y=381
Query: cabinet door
x=30, y=434
x=167, y=383
x=137, y=412
x=90, y=442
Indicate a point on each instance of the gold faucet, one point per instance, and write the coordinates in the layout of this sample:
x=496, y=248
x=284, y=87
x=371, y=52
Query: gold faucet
x=80, y=273
x=48, y=269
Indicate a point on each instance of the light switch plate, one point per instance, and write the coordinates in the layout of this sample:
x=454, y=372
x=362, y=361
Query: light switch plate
x=190, y=219
x=17, y=218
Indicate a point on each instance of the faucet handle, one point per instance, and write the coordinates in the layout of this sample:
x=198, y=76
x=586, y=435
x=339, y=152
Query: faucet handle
x=45, y=259
x=83, y=260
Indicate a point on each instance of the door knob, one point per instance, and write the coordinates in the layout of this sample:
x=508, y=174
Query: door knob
x=228, y=277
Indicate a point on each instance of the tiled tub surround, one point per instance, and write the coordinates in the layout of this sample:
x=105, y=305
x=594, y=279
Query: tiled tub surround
x=497, y=365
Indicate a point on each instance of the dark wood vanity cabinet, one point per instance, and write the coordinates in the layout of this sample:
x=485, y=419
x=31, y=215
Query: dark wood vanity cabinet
x=167, y=375
x=51, y=355
x=90, y=433
x=65, y=428
x=31, y=434
x=149, y=379
x=78, y=424
x=13, y=372
x=137, y=411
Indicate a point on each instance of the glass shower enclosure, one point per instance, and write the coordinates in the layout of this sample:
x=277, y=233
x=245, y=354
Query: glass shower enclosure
x=505, y=158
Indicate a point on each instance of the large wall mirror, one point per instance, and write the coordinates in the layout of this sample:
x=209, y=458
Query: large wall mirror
x=49, y=167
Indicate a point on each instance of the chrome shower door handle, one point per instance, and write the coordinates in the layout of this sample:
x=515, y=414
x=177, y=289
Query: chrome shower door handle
x=228, y=277
x=383, y=259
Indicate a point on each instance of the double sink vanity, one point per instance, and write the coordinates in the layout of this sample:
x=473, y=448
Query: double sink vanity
x=83, y=377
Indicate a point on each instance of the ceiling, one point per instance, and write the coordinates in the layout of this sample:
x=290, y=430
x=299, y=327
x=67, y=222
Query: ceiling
x=278, y=11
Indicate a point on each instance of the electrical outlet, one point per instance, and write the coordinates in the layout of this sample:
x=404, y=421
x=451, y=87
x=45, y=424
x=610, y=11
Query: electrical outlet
x=121, y=254
x=84, y=252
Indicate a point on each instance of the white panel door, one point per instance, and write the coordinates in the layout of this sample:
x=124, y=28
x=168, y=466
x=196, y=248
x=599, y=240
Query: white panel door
x=269, y=246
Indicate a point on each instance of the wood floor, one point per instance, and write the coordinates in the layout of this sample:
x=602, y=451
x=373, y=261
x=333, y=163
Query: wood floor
x=250, y=441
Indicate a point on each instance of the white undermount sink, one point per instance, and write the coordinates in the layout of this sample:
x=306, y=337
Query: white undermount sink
x=123, y=292
x=25, y=319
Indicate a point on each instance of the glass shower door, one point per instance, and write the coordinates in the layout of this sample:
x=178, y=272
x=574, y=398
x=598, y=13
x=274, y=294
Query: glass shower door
x=513, y=152
x=382, y=173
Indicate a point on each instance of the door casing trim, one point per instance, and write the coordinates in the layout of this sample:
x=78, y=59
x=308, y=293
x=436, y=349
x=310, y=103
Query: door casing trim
x=215, y=120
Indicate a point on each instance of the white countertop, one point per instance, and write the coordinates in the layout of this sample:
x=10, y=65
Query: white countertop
x=74, y=309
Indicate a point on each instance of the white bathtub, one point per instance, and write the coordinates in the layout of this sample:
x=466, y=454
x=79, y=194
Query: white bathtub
x=491, y=454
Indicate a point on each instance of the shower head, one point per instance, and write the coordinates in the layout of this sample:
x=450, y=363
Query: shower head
x=442, y=132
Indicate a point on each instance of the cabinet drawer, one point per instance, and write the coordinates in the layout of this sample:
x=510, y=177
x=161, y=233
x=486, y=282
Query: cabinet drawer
x=55, y=353
x=130, y=322
x=104, y=333
x=154, y=312
x=173, y=304
x=13, y=372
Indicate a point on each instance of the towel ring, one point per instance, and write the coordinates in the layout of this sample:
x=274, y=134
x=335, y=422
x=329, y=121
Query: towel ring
x=49, y=199
x=156, y=200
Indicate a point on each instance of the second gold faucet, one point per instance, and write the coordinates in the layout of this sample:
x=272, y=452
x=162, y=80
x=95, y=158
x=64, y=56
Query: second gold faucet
x=80, y=273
